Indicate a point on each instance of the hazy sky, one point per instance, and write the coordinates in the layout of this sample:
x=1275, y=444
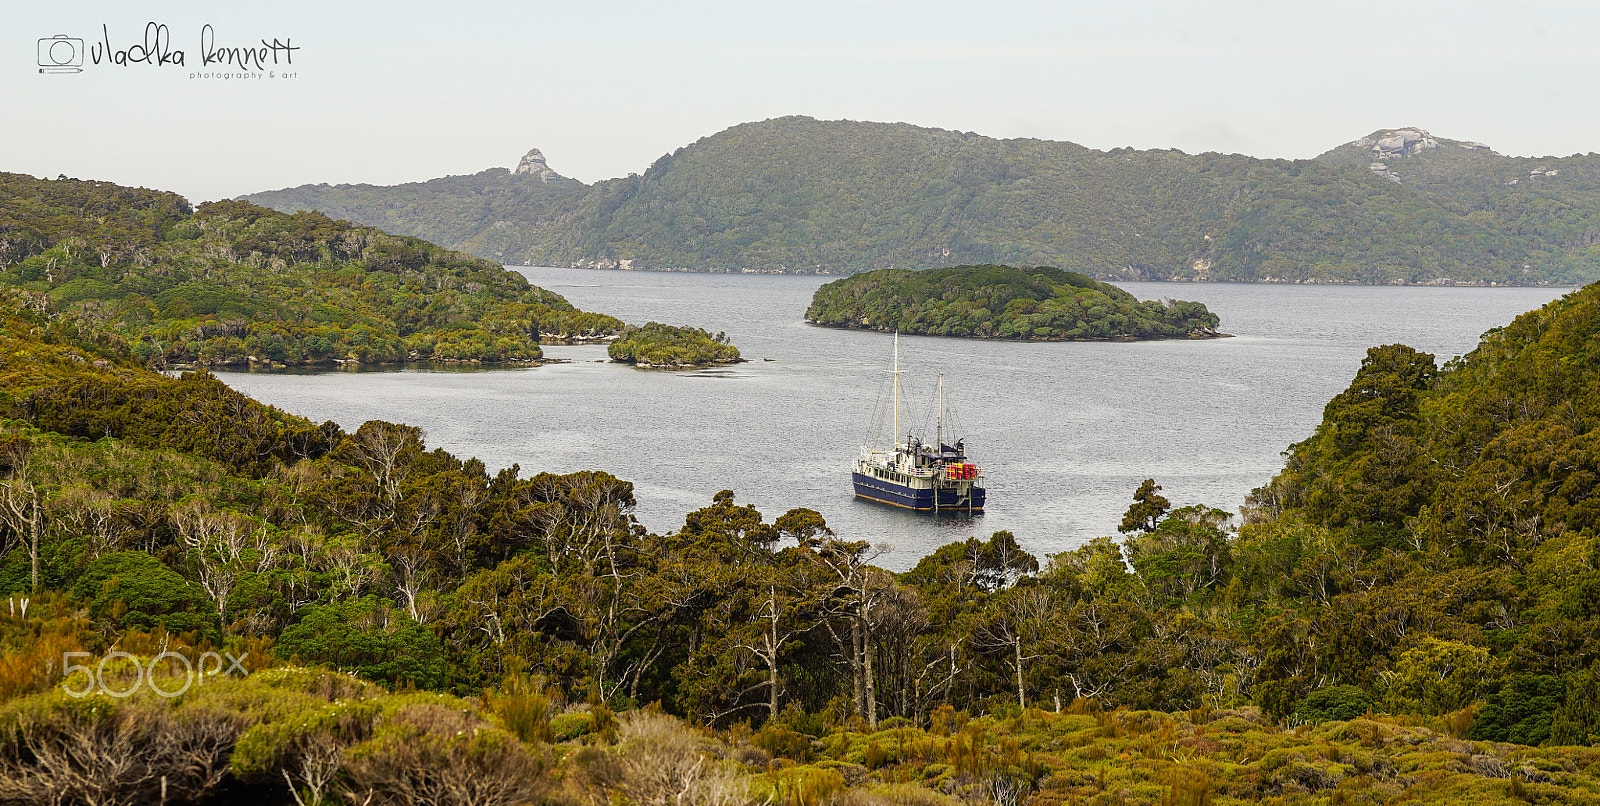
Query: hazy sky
x=395, y=92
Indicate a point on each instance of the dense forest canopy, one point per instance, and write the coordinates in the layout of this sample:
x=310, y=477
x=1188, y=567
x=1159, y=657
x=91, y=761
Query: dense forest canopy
x=1450, y=509
x=1002, y=302
x=233, y=283
x=799, y=195
x=1410, y=610
x=1429, y=553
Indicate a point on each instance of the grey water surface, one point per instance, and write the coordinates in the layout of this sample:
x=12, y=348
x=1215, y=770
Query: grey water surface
x=1064, y=431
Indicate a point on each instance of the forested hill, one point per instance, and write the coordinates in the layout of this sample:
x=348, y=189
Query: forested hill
x=1002, y=302
x=234, y=283
x=451, y=210
x=1450, y=510
x=796, y=194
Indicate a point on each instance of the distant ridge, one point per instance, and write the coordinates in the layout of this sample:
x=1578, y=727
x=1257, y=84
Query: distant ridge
x=798, y=195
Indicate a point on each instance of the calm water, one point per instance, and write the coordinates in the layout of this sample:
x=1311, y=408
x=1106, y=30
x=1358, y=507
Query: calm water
x=1065, y=431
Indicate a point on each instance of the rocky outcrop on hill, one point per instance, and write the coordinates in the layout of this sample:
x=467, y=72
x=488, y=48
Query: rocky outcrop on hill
x=533, y=164
x=1390, y=144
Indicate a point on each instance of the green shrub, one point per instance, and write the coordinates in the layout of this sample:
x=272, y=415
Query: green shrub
x=269, y=746
x=526, y=714
x=1521, y=711
x=134, y=589
x=781, y=742
x=1341, y=703
x=431, y=747
x=875, y=756
x=797, y=719
x=602, y=724
x=1578, y=720
x=807, y=786
x=349, y=636
x=1436, y=677
x=568, y=727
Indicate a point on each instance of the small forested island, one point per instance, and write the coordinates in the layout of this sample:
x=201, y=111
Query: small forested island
x=658, y=346
x=1003, y=302
x=233, y=283
x=207, y=600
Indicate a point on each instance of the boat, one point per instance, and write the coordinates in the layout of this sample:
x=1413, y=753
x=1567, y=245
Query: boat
x=917, y=475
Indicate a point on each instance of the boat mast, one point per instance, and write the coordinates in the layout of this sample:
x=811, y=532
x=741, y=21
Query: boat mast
x=938, y=441
x=896, y=386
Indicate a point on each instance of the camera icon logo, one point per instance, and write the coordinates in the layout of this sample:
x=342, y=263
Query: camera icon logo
x=61, y=54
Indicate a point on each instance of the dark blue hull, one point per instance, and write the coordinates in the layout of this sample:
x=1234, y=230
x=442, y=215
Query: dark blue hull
x=922, y=500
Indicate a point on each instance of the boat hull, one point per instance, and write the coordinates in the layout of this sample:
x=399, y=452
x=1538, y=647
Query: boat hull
x=950, y=499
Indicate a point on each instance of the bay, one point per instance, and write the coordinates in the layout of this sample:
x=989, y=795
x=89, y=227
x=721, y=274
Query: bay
x=1065, y=430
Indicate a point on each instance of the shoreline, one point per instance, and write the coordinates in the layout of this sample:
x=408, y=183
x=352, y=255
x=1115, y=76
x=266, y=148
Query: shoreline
x=1194, y=335
x=1441, y=282
x=340, y=365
